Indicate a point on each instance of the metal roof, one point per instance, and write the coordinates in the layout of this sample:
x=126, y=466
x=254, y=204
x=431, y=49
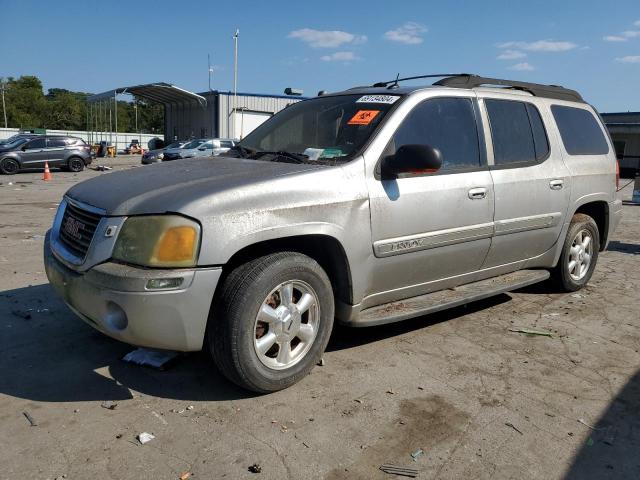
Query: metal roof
x=155, y=92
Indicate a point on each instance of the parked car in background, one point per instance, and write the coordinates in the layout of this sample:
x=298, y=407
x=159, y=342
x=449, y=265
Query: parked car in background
x=392, y=202
x=201, y=147
x=175, y=153
x=70, y=153
x=156, y=156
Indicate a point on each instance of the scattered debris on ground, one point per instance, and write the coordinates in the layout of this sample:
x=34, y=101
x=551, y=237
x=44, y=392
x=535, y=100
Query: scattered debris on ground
x=417, y=454
x=255, y=468
x=508, y=424
x=401, y=471
x=581, y=420
x=30, y=419
x=531, y=331
x=145, y=437
x=102, y=168
x=185, y=476
x=159, y=359
x=109, y=405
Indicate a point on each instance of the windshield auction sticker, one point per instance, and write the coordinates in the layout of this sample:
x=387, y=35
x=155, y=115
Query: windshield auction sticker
x=378, y=99
x=363, y=117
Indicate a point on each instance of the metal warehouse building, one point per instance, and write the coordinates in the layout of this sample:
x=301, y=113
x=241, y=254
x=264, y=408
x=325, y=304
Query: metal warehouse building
x=186, y=119
x=195, y=115
x=625, y=132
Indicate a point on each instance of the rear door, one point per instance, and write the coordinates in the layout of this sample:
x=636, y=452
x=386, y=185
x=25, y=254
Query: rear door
x=532, y=184
x=34, y=153
x=431, y=226
x=56, y=151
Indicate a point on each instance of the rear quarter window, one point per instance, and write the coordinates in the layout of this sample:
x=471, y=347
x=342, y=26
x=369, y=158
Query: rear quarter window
x=580, y=131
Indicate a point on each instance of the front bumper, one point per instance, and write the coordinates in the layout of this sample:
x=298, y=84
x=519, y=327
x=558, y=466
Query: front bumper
x=113, y=299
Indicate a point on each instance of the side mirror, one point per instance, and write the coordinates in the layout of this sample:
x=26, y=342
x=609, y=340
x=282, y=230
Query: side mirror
x=24, y=148
x=412, y=159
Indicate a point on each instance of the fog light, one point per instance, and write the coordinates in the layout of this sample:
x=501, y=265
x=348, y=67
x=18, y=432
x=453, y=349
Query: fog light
x=162, y=283
x=115, y=317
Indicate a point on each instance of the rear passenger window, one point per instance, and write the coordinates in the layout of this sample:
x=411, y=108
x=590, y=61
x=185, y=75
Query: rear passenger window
x=581, y=134
x=448, y=124
x=56, y=142
x=517, y=131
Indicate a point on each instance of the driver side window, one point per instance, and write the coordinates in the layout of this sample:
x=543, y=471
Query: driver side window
x=37, y=143
x=448, y=124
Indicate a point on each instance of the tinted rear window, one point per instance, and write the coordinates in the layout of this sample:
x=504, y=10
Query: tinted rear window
x=517, y=131
x=56, y=142
x=581, y=134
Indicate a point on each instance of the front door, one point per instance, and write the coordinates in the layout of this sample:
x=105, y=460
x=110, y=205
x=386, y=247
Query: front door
x=432, y=226
x=34, y=153
x=532, y=184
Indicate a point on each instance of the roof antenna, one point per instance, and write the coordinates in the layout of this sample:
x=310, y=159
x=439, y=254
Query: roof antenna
x=394, y=85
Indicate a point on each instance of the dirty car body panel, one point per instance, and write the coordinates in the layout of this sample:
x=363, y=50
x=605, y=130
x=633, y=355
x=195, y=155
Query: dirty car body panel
x=401, y=237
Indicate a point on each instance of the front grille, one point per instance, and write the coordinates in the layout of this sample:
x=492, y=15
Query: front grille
x=77, y=229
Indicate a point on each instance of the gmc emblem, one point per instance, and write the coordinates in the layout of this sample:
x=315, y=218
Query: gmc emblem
x=73, y=227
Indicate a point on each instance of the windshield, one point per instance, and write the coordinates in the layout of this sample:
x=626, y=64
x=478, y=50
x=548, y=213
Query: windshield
x=193, y=144
x=10, y=143
x=174, y=145
x=323, y=127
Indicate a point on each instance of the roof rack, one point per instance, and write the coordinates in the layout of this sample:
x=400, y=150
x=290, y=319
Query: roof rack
x=547, y=91
x=467, y=80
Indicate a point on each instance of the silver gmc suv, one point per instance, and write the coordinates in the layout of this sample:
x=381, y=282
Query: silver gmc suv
x=372, y=205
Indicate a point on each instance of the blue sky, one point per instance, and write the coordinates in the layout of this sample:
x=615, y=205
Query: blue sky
x=592, y=46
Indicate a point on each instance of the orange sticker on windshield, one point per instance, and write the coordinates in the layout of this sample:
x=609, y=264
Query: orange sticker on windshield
x=363, y=117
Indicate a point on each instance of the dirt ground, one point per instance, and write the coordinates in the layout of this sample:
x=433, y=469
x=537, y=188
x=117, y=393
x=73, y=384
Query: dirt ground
x=480, y=401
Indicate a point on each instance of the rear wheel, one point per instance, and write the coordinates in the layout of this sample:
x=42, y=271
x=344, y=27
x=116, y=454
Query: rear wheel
x=271, y=321
x=75, y=164
x=579, y=253
x=9, y=166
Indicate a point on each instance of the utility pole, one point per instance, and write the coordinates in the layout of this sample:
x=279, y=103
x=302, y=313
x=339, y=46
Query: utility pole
x=4, y=107
x=135, y=109
x=210, y=69
x=235, y=80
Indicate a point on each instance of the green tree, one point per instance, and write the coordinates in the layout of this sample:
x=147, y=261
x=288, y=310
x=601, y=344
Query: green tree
x=61, y=109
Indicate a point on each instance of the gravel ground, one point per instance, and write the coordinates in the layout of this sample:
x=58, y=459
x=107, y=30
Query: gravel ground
x=479, y=400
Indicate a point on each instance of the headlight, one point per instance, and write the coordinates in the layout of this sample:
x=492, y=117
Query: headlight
x=160, y=156
x=158, y=241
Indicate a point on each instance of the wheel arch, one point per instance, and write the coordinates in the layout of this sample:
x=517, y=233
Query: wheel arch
x=327, y=250
x=599, y=211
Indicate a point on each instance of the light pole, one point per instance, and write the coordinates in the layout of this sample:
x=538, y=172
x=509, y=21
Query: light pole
x=135, y=109
x=235, y=79
x=210, y=69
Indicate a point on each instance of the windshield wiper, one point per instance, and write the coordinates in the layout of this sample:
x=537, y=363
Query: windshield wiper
x=296, y=157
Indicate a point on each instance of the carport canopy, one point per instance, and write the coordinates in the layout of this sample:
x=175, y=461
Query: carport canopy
x=155, y=92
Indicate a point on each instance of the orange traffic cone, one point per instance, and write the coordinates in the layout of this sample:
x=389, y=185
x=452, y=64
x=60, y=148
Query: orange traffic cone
x=47, y=173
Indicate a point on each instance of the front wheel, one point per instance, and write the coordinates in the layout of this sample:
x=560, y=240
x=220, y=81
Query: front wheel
x=579, y=253
x=9, y=166
x=271, y=321
x=75, y=164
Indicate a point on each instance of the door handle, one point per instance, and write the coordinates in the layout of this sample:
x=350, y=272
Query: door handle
x=477, y=193
x=556, y=184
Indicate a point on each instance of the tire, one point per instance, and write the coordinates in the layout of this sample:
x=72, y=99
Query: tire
x=576, y=265
x=261, y=286
x=75, y=164
x=9, y=166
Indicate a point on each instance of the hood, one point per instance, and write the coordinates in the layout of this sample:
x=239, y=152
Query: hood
x=173, y=186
